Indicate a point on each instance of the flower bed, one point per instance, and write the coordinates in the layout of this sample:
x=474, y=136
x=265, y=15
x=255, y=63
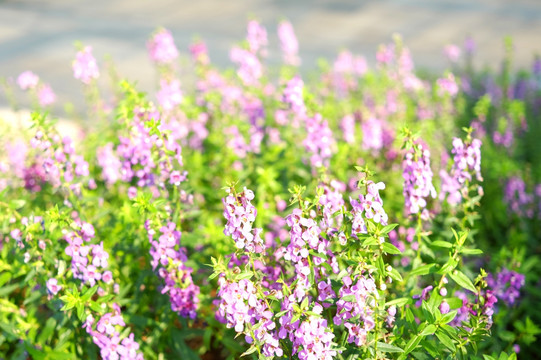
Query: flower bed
x=354, y=213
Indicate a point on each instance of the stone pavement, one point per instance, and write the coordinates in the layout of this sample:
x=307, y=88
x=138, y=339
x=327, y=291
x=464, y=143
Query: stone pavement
x=38, y=35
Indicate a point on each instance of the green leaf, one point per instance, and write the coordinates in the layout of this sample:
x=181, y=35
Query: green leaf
x=6, y=290
x=398, y=302
x=17, y=204
x=370, y=241
x=244, y=275
x=4, y=278
x=47, y=331
x=412, y=344
x=443, y=244
x=389, y=348
x=251, y=350
x=80, y=311
x=471, y=251
x=447, y=318
x=429, y=330
x=395, y=275
x=422, y=270
x=445, y=340
x=390, y=248
x=388, y=228
x=88, y=294
x=461, y=279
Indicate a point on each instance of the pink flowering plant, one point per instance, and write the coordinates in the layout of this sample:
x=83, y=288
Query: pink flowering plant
x=371, y=211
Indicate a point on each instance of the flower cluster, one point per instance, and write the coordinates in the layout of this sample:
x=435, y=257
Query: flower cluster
x=475, y=308
x=293, y=96
x=466, y=164
x=59, y=162
x=347, y=68
x=355, y=308
x=146, y=159
x=373, y=134
x=169, y=95
x=319, y=142
x=106, y=334
x=89, y=263
x=240, y=215
x=347, y=125
x=27, y=80
x=313, y=340
x=250, y=68
x=288, y=43
x=85, y=67
x=448, y=85
x=518, y=200
x=170, y=258
x=332, y=201
x=241, y=308
x=417, y=176
x=161, y=47
x=256, y=37
x=369, y=206
x=305, y=236
x=506, y=285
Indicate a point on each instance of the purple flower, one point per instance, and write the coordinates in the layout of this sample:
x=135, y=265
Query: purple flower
x=53, y=287
x=240, y=215
x=447, y=85
x=250, y=68
x=319, y=141
x=313, y=340
x=506, y=285
x=466, y=164
x=357, y=315
x=452, y=52
x=348, y=128
x=518, y=200
x=169, y=95
x=85, y=67
x=161, y=47
x=170, y=257
x=444, y=307
x=27, y=80
x=331, y=202
x=293, y=96
x=288, y=43
x=257, y=37
x=199, y=52
x=372, y=130
x=46, y=96
x=425, y=295
x=417, y=176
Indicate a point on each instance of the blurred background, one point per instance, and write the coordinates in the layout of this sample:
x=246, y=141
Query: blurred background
x=40, y=35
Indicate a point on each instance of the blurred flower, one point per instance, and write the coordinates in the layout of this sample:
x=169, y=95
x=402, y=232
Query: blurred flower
x=27, y=80
x=288, y=43
x=85, y=67
x=161, y=47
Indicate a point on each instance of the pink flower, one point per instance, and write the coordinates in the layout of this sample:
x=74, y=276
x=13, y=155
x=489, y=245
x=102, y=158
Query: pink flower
x=46, y=96
x=85, y=67
x=27, y=80
x=169, y=95
x=53, y=287
x=452, y=52
x=161, y=47
x=288, y=43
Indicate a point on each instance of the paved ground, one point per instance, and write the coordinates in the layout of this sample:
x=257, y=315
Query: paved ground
x=38, y=35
